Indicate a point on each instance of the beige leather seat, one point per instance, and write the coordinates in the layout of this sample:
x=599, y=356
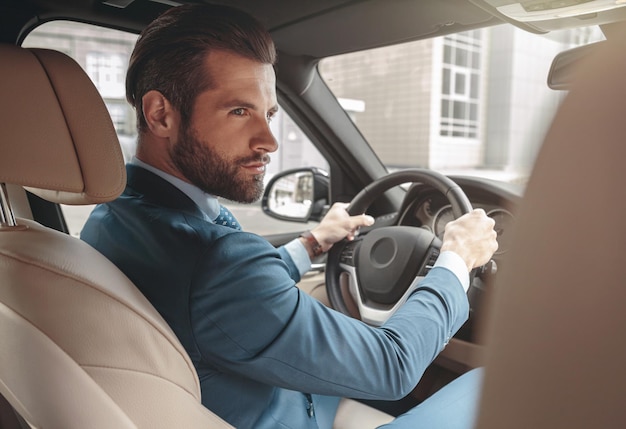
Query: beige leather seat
x=80, y=346
x=556, y=341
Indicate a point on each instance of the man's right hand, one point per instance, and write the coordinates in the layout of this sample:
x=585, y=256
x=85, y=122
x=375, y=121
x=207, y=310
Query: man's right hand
x=472, y=237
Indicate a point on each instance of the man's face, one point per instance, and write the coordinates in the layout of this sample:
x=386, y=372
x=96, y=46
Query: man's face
x=224, y=149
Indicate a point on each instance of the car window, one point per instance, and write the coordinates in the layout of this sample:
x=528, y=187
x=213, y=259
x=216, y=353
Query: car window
x=473, y=103
x=104, y=54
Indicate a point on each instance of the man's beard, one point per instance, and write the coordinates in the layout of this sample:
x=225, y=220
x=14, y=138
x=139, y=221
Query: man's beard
x=212, y=173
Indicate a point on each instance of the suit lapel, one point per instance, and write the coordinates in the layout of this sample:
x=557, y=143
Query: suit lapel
x=156, y=190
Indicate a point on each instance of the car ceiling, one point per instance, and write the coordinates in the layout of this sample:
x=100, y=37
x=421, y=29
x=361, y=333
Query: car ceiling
x=314, y=28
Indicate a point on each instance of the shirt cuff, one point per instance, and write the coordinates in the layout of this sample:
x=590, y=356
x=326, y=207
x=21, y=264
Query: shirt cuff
x=300, y=256
x=453, y=262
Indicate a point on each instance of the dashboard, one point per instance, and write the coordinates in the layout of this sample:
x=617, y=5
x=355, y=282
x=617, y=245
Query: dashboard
x=430, y=209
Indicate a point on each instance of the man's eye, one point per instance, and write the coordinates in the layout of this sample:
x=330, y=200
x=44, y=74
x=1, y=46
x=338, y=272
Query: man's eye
x=238, y=112
x=270, y=116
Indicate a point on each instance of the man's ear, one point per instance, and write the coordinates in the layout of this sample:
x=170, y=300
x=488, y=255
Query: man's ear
x=160, y=116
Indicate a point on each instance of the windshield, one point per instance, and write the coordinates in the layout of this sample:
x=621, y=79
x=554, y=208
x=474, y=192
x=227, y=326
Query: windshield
x=472, y=103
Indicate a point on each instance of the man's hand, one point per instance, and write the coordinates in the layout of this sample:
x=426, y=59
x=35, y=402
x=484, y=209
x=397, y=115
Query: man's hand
x=472, y=237
x=338, y=224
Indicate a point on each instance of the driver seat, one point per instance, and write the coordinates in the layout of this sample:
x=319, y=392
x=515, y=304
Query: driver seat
x=555, y=343
x=81, y=346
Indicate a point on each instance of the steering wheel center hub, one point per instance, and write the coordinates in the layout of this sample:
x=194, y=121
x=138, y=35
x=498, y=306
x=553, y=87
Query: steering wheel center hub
x=383, y=252
x=388, y=260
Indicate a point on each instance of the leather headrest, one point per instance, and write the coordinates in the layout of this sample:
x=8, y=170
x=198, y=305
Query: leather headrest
x=57, y=139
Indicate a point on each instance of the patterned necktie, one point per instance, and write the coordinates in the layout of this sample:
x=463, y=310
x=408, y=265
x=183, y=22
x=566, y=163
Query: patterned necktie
x=226, y=218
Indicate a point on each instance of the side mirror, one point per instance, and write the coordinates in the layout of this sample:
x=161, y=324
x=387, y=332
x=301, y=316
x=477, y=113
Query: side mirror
x=298, y=195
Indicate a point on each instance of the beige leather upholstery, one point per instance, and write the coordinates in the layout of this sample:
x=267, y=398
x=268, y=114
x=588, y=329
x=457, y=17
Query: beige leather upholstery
x=352, y=414
x=80, y=346
x=556, y=343
x=54, y=138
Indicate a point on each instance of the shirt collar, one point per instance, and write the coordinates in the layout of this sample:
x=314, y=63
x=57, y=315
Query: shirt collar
x=208, y=204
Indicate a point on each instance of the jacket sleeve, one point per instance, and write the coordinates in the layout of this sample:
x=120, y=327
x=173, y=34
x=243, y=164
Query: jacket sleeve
x=248, y=317
x=292, y=266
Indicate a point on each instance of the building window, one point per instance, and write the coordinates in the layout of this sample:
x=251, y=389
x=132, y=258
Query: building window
x=460, y=89
x=107, y=71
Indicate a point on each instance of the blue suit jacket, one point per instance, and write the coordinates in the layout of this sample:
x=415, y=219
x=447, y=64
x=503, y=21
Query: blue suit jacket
x=255, y=339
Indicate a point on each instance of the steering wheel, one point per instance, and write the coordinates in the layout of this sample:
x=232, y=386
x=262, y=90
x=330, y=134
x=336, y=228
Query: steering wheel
x=380, y=268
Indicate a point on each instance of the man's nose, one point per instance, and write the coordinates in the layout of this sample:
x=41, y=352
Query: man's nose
x=264, y=138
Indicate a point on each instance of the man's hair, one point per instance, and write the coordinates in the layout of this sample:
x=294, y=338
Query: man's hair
x=170, y=53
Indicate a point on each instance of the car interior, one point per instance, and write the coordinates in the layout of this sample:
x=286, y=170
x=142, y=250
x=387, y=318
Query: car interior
x=82, y=347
